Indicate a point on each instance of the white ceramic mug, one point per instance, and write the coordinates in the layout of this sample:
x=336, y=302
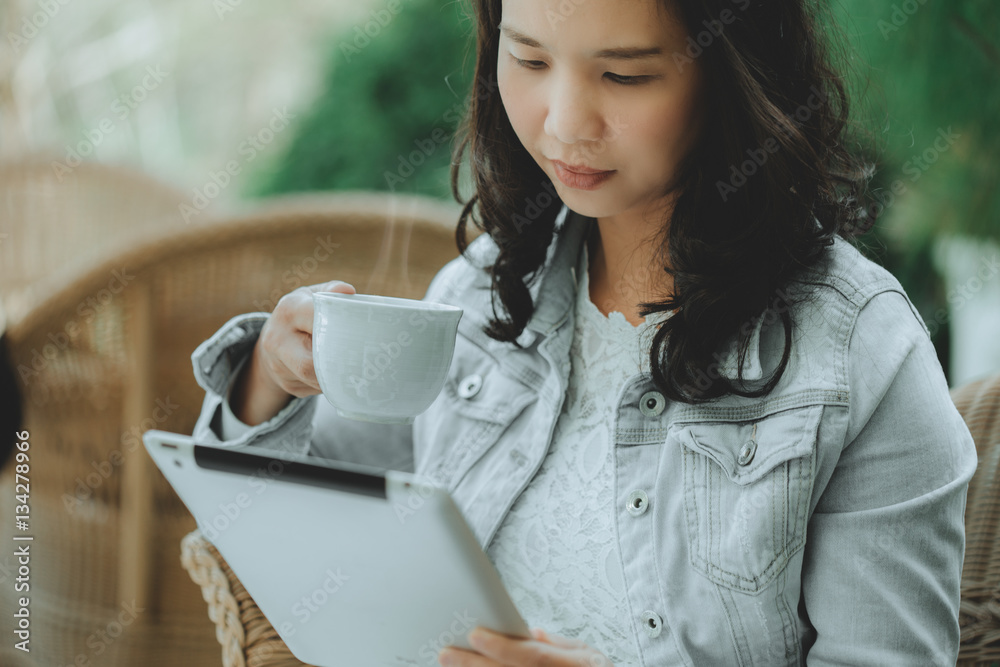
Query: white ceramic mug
x=379, y=358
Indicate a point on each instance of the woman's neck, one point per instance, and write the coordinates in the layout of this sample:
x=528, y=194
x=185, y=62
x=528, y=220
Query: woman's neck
x=619, y=270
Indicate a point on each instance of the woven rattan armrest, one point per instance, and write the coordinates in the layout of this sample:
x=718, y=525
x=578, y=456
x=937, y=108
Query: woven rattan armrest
x=248, y=639
x=979, y=403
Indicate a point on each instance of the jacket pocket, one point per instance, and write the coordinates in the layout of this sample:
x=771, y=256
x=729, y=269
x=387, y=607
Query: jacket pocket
x=747, y=489
x=476, y=406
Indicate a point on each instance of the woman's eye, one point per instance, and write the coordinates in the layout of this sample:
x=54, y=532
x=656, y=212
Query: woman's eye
x=529, y=64
x=627, y=80
x=617, y=78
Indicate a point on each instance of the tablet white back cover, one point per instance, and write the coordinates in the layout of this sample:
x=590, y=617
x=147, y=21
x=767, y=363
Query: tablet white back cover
x=345, y=579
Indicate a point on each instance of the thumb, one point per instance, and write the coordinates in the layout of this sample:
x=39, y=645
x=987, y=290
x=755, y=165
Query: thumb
x=334, y=286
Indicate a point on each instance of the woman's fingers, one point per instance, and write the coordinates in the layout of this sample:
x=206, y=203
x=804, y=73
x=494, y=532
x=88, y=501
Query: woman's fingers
x=334, y=286
x=295, y=310
x=287, y=338
x=289, y=361
x=296, y=307
x=496, y=650
x=509, y=651
x=300, y=364
x=557, y=640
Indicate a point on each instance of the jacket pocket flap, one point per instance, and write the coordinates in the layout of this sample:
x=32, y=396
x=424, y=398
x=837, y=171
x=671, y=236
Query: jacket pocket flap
x=483, y=392
x=746, y=451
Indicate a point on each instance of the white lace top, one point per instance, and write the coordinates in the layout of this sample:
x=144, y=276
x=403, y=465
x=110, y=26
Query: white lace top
x=556, y=550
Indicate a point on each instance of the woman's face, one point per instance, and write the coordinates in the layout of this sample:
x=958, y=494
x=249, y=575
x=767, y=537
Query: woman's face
x=633, y=116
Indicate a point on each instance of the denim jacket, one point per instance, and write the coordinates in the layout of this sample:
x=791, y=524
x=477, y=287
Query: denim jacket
x=821, y=524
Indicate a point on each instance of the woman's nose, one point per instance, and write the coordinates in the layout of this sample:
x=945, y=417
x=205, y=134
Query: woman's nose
x=573, y=115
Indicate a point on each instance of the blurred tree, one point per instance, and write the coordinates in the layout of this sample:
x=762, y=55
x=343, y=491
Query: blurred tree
x=938, y=66
x=396, y=89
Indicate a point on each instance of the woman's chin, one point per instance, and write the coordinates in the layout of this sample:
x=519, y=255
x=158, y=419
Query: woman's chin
x=587, y=204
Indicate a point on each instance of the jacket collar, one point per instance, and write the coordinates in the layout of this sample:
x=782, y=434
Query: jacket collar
x=554, y=291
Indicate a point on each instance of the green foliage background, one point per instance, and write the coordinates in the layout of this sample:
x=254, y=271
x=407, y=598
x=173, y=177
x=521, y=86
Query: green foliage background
x=916, y=68
x=387, y=87
x=938, y=66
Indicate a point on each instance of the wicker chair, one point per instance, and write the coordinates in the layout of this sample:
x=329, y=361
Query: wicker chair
x=979, y=403
x=249, y=640
x=55, y=224
x=99, y=362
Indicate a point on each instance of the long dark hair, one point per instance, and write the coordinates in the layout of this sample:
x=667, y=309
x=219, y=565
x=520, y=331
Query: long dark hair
x=759, y=197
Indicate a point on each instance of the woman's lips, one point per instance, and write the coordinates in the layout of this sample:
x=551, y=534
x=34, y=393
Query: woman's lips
x=581, y=181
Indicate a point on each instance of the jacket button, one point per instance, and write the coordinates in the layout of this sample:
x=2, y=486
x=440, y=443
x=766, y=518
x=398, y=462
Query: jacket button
x=652, y=403
x=747, y=451
x=637, y=502
x=652, y=623
x=469, y=386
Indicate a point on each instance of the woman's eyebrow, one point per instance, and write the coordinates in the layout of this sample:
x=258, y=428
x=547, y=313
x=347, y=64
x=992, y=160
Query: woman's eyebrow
x=620, y=53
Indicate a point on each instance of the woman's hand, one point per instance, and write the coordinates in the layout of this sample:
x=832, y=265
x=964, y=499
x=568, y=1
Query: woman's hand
x=496, y=650
x=281, y=365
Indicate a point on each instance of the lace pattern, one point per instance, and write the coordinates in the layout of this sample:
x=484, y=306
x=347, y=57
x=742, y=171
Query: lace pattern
x=556, y=550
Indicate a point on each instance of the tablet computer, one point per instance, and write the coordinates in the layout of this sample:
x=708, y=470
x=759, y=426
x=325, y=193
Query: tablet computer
x=351, y=564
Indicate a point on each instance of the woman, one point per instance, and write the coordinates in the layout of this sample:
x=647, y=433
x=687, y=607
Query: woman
x=688, y=421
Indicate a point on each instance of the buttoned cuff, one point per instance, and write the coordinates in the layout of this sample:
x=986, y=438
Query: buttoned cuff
x=216, y=363
x=214, y=359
